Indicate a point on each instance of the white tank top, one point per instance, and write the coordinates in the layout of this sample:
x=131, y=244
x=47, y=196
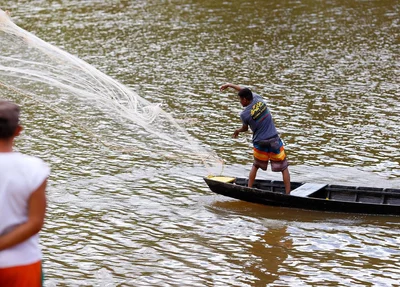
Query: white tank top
x=20, y=176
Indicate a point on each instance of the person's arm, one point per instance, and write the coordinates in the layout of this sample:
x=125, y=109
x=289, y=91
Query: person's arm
x=244, y=128
x=36, y=215
x=229, y=85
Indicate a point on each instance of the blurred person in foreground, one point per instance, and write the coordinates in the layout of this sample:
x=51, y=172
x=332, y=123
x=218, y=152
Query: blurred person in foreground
x=23, y=182
x=267, y=145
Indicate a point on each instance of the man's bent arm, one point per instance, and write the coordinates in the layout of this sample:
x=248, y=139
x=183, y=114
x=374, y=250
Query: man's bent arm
x=244, y=128
x=36, y=214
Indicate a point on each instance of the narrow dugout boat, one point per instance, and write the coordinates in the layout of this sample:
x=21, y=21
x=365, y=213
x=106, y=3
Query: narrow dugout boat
x=311, y=196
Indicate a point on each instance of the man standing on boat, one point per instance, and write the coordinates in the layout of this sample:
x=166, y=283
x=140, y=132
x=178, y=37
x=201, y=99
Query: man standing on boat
x=267, y=145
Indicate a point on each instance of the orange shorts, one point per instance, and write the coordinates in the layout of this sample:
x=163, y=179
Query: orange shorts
x=272, y=150
x=22, y=276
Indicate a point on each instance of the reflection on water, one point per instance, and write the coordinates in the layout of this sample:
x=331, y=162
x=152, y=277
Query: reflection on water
x=302, y=247
x=329, y=73
x=271, y=251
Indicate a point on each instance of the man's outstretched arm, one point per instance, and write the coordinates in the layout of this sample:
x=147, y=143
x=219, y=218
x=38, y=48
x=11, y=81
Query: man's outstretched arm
x=229, y=85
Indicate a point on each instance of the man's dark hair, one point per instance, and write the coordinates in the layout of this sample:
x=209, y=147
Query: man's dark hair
x=246, y=93
x=9, y=119
x=6, y=130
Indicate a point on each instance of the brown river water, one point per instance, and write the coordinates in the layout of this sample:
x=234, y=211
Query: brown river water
x=330, y=72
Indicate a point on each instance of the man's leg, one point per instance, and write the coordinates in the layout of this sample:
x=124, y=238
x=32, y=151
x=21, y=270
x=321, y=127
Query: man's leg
x=286, y=179
x=252, y=175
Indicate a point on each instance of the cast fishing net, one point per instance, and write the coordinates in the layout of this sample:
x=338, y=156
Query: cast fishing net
x=32, y=68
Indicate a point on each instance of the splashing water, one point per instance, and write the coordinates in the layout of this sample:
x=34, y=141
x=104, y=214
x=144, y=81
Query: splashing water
x=30, y=67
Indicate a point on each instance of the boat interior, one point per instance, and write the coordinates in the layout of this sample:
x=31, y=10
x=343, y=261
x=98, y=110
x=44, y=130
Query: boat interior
x=372, y=195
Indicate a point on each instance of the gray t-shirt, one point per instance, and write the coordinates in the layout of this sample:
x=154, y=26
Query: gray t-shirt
x=258, y=117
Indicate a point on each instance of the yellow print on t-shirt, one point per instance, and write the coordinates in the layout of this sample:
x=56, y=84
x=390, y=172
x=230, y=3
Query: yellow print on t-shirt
x=258, y=109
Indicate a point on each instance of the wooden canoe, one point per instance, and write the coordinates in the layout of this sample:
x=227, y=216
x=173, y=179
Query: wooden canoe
x=312, y=196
